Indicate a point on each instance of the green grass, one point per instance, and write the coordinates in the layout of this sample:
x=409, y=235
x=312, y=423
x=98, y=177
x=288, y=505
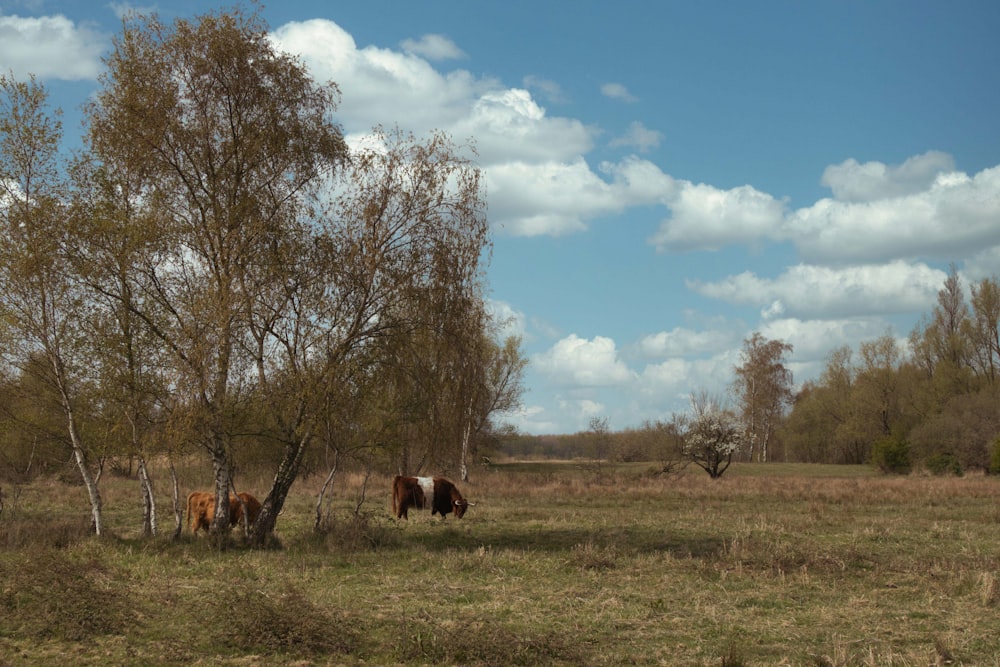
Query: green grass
x=557, y=564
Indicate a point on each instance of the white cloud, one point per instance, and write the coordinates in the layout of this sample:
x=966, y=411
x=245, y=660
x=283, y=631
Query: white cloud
x=537, y=177
x=588, y=363
x=824, y=292
x=708, y=218
x=640, y=182
x=617, y=91
x=953, y=216
x=51, y=47
x=554, y=198
x=812, y=340
x=680, y=342
x=509, y=125
x=851, y=181
x=639, y=137
x=917, y=210
x=665, y=387
x=433, y=47
x=381, y=86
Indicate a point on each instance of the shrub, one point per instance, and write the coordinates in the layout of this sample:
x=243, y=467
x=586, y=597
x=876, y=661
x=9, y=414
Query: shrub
x=995, y=457
x=943, y=464
x=52, y=595
x=891, y=454
x=287, y=623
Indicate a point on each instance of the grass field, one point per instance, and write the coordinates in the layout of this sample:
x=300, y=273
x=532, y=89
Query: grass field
x=557, y=564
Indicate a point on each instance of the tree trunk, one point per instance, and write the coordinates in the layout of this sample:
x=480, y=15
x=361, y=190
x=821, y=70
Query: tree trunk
x=148, y=499
x=223, y=480
x=175, y=489
x=288, y=471
x=464, y=464
x=80, y=456
x=321, y=516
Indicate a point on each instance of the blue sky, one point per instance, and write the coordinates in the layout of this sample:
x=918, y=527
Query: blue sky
x=663, y=178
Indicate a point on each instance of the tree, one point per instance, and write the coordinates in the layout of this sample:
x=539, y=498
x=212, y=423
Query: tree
x=826, y=424
x=42, y=306
x=984, y=328
x=711, y=436
x=229, y=138
x=763, y=388
x=941, y=344
x=878, y=387
x=111, y=226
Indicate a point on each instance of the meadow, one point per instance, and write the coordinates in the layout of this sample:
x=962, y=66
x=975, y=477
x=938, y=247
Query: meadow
x=556, y=564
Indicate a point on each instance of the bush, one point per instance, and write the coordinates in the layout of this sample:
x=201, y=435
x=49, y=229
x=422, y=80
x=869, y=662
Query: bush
x=52, y=595
x=891, y=455
x=943, y=464
x=287, y=623
x=995, y=457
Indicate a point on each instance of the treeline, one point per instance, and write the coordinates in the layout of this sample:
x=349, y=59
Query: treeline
x=930, y=402
x=218, y=273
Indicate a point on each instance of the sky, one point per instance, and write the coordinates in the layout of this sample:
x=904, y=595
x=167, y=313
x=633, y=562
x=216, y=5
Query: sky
x=664, y=179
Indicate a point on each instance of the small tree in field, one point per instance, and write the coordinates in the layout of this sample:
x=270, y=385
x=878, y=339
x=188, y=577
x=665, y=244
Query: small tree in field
x=712, y=436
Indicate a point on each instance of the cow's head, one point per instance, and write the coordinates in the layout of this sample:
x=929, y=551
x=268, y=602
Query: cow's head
x=460, y=505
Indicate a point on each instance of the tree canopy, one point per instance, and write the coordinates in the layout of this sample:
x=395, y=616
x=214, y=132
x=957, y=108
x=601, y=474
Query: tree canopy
x=241, y=281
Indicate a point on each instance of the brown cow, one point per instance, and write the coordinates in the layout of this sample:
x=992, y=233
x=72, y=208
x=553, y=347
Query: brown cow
x=201, y=509
x=422, y=492
x=236, y=508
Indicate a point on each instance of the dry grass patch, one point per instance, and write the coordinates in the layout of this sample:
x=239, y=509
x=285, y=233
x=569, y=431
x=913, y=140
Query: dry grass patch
x=551, y=566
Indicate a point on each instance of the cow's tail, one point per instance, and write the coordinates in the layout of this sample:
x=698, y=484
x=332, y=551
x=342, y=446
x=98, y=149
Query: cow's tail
x=395, y=496
x=187, y=515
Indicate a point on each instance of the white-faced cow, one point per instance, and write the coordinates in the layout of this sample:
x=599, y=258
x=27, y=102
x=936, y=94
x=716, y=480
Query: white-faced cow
x=422, y=492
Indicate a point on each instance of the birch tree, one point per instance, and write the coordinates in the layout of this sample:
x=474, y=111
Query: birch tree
x=42, y=306
x=763, y=388
x=232, y=136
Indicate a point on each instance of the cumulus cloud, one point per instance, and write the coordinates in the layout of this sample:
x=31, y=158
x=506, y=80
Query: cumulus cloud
x=852, y=181
x=812, y=340
x=509, y=124
x=639, y=137
x=51, y=47
x=708, y=218
x=951, y=217
x=381, y=86
x=818, y=291
x=681, y=342
x=668, y=385
x=921, y=209
x=433, y=47
x=617, y=91
x=554, y=198
x=588, y=363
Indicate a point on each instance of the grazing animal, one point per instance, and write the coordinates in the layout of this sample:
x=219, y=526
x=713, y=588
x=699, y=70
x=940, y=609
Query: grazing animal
x=437, y=493
x=201, y=509
x=236, y=509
